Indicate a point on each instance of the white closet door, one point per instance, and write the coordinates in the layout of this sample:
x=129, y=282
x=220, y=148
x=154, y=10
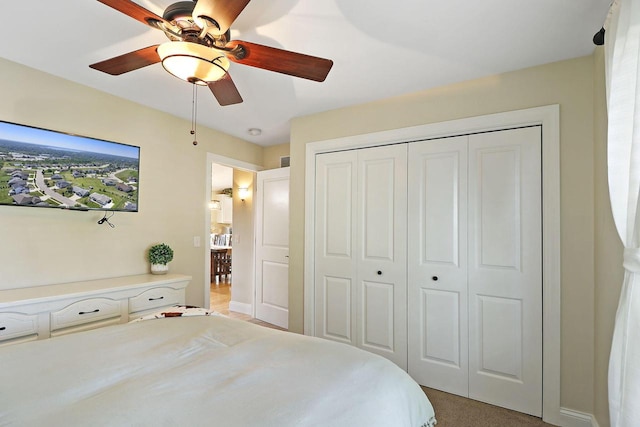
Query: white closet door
x=505, y=269
x=382, y=260
x=360, y=249
x=475, y=226
x=471, y=282
x=437, y=264
x=335, y=246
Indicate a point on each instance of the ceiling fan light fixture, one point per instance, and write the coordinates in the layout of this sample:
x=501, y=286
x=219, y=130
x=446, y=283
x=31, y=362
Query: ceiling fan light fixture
x=193, y=62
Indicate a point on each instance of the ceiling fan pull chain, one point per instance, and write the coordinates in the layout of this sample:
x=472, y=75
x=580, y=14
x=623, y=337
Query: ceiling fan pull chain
x=194, y=114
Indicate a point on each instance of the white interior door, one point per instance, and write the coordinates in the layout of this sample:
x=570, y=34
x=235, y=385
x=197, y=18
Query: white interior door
x=272, y=247
x=505, y=269
x=437, y=264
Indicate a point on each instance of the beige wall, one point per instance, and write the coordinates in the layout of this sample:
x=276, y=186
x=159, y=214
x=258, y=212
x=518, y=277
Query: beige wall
x=42, y=246
x=272, y=154
x=569, y=84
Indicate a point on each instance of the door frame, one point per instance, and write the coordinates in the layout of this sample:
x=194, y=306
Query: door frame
x=546, y=116
x=235, y=164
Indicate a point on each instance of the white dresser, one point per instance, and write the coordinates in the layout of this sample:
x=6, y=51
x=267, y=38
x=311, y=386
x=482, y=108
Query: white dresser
x=29, y=314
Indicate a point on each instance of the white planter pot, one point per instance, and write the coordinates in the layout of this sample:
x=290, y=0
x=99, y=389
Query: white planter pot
x=159, y=268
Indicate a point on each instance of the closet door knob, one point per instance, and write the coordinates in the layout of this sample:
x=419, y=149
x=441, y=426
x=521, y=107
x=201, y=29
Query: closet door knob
x=379, y=273
x=434, y=278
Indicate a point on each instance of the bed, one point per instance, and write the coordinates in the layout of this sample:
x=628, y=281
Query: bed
x=203, y=370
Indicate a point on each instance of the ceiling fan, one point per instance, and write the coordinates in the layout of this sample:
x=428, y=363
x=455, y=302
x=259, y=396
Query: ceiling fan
x=200, y=48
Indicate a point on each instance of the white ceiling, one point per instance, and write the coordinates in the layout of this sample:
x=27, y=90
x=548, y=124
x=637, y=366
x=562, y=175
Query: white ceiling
x=380, y=49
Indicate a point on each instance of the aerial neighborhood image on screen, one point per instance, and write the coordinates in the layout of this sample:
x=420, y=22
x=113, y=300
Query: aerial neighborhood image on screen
x=44, y=168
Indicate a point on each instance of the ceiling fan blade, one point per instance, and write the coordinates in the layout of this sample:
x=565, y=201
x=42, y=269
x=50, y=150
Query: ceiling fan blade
x=280, y=61
x=129, y=61
x=224, y=12
x=134, y=10
x=225, y=91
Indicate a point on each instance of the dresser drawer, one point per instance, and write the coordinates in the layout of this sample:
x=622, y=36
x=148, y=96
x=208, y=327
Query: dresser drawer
x=156, y=298
x=85, y=311
x=16, y=325
x=41, y=312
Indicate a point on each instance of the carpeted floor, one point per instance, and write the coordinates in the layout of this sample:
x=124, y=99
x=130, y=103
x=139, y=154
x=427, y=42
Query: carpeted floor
x=456, y=411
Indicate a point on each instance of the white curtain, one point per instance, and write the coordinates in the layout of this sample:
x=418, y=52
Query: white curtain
x=622, y=53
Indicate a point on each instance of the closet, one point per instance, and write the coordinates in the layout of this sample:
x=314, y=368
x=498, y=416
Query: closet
x=429, y=253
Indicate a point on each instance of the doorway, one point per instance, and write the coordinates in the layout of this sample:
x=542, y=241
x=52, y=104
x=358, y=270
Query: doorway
x=221, y=237
x=237, y=232
x=230, y=289
x=231, y=239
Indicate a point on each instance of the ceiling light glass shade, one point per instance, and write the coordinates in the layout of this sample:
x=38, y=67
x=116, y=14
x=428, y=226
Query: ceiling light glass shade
x=193, y=62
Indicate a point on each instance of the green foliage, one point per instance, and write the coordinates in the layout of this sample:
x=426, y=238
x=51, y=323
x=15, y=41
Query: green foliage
x=160, y=254
x=4, y=188
x=127, y=175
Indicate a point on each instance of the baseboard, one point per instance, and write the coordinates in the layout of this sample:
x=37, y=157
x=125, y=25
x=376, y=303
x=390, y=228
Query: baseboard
x=573, y=418
x=241, y=307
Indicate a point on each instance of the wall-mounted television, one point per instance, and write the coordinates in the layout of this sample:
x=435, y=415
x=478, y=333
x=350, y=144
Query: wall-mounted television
x=46, y=168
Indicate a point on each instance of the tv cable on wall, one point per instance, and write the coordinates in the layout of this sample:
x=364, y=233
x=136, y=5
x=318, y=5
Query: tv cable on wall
x=106, y=218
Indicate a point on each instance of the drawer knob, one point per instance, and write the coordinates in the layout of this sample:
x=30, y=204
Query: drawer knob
x=379, y=273
x=89, y=312
x=434, y=278
x=155, y=299
x=3, y=328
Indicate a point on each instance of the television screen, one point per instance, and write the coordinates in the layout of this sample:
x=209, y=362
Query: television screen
x=45, y=168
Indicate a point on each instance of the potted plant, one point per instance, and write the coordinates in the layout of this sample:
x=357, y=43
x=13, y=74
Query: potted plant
x=159, y=257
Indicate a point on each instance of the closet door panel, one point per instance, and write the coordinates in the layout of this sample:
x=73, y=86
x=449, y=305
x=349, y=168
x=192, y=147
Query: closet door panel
x=335, y=246
x=378, y=182
x=505, y=269
x=382, y=275
x=498, y=207
x=500, y=337
x=378, y=312
x=440, y=213
x=437, y=264
x=336, y=309
x=441, y=340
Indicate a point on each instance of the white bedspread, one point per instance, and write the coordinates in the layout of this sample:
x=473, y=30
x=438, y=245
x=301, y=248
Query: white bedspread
x=206, y=370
